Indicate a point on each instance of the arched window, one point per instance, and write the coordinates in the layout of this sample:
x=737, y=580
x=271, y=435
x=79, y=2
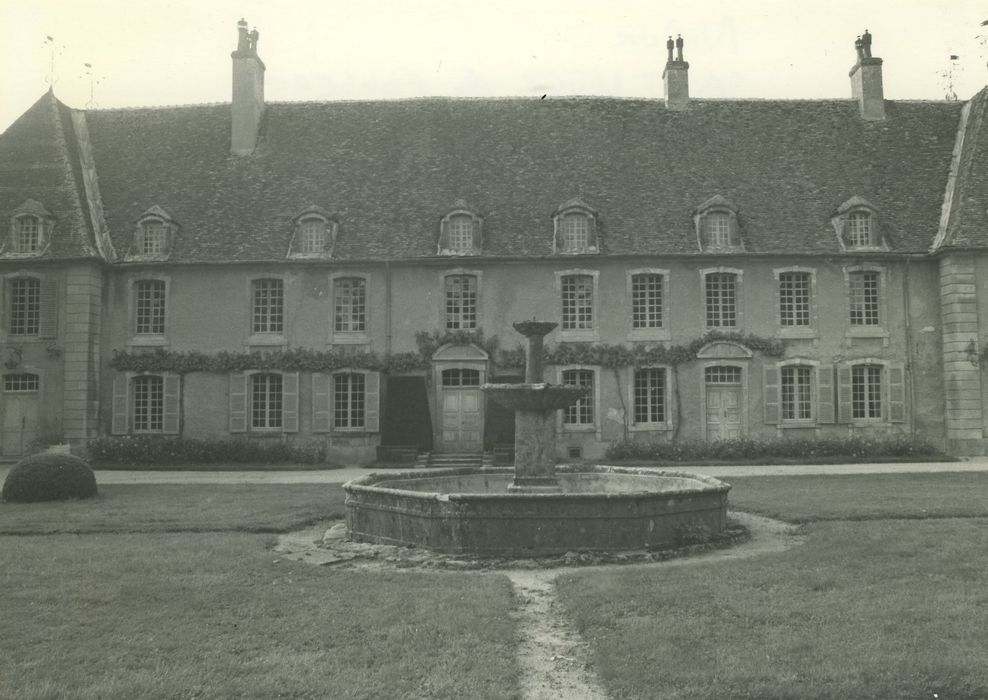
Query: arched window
x=460, y=231
x=153, y=237
x=27, y=234
x=312, y=236
x=859, y=229
x=575, y=228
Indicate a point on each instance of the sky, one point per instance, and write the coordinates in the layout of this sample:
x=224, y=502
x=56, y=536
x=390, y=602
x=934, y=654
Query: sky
x=167, y=52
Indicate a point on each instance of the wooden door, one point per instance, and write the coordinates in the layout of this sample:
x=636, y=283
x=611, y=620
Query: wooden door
x=462, y=411
x=20, y=423
x=723, y=412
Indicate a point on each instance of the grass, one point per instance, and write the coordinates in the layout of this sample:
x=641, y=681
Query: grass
x=179, y=508
x=218, y=615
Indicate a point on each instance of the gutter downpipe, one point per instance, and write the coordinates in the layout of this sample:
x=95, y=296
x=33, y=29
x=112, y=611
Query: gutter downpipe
x=909, y=352
x=387, y=307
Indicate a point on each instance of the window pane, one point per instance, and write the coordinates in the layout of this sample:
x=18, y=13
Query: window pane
x=866, y=391
x=794, y=298
x=150, y=300
x=650, y=396
x=796, y=401
x=577, y=302
x=721, y=298
x=351, y=305
x=14, y=383
x=718, y=230
x=348, y=400
x=25, y=306
x=149, y=403
x=152, y=238
x=461, y=302
x=459, y=232
x=575, y=232
x=580, y=413
x=859, y=229
x=646, y=301
x=269, y=303
x=28, y=234
x=265, y=401
x=864, y=298
x=313, y=236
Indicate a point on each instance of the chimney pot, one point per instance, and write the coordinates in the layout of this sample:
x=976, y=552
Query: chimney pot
x=248, y=92
x=675, y=77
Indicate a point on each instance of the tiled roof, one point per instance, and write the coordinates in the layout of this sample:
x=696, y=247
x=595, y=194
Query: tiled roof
x=968, y=224
x=390, y=170
x=38, y=160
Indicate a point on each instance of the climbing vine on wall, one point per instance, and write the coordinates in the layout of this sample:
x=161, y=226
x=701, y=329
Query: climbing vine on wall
x=304, y=360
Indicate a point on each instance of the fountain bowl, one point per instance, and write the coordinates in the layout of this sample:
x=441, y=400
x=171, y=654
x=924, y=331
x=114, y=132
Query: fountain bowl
x=538, y=398
x=597, y=508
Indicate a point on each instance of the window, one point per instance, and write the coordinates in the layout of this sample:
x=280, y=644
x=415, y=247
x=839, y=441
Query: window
x=797, y=402
x=721, y=299
x=580, y=413
x=269, y=306
x=349, y=400
x=864, y=291
x=312, y=236
x=650, y=396
x=24, y=306
x=27, y=234
x=794, y=298
x=716, y=223
x=148, y=403
x=461, y=377
x=866, y=392
x=646, y=301
x=152, y=238
x=265, y=401
x=149, y=298
x=718, y=226
x=460, y=233
x=350, y=305
x=461, y=302
x=577, y=291
x=859, y=229
x=722, y=374
x=574, y=233
x=20, y=383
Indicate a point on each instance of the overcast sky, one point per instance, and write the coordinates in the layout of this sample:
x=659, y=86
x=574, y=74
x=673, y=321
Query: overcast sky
x=178, y=51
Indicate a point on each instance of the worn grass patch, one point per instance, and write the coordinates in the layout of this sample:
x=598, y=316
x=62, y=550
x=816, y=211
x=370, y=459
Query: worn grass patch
x=884, y=609
x=861, y=496
x=218, y=616
x=180, y=508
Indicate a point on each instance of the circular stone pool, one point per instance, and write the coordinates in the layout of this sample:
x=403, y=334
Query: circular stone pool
x=470, y=511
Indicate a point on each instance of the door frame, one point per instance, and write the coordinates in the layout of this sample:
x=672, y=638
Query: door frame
x=452, y=356
x=39, y=398
x=721, y=353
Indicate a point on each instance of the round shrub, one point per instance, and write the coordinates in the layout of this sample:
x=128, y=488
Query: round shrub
x=49, y=477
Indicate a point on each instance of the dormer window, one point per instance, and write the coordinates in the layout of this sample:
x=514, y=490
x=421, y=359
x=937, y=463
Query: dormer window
x=460, y=231
x=857, y=226
x=153, y=237
x=717, y=229
x=314, y=234
x=30, y=230
x=575, y=229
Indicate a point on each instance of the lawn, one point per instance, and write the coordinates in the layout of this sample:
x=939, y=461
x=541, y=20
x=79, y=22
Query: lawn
x=875, y=604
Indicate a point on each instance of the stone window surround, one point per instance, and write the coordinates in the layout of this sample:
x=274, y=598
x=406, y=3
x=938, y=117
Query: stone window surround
x=581, y=428
x=169, y=227
x=266, y=339
x=886, y=385
x=871, y=331
x=332, y=408
x=349, y=337
x=738, y=297
x=718, y=205
x=810, y=331
x=579, y=335
x=841, y=218
x=5, y=282
x=313, y=213
x=669, y=424
x=24, y=369
x=661, y=333
x=478, y=275
x=460, y=208
x=578, y=207
x=46, y=225
x=146, y=339
x=814, y=418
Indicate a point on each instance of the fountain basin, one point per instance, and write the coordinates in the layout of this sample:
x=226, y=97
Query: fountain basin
x=541, y=397
x=471, y=511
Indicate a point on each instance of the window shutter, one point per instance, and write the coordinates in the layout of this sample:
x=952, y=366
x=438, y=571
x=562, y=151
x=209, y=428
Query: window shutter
x=171, y=407
x=825, y=394
x=897, y=393
x=289, y=402
x=49, y=308
x=478, y=236
x=592, y=232
x=321, y=405
x=238, y=402
x=444, y=235
x=844, y=394
x=120, y=424
x=372, y=402
x=770, y=394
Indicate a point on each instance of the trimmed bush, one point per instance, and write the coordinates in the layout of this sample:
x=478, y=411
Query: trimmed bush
x=157, y=450
x=49, y=477
x=746, y=449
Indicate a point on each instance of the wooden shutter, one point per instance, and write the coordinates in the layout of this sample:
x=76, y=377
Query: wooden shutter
x=49, y=308
x=844, y=409
x=444, y=234
x=321, y=405
x=238, y=402
x=592, y=232
x=825, y=394
x=172, y=403
x=770, y=394
x=372, y=402
x=289, y=402
x=478, y=236
x=121, y=395
x=897, y=392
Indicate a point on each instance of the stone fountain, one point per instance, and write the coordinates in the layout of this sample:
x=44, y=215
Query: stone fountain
x=535, y=508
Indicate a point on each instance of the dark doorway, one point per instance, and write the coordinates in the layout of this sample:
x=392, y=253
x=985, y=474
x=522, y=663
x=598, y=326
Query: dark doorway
x=499, y=422
x=406, y=419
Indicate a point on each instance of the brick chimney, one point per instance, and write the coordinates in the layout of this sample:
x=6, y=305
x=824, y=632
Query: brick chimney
x=675, y=77
x=248, y=92
x=866, y=80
